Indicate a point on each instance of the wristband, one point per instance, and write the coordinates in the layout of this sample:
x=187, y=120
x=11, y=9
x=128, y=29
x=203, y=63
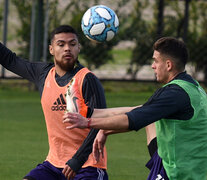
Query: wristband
x=89, y=123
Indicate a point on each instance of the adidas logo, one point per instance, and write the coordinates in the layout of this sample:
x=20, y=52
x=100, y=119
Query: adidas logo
x=59, y=104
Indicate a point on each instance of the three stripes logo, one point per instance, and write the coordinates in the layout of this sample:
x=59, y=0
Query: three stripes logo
x=59, y=104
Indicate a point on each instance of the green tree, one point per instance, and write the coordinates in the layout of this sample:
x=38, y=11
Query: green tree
x=24, y=13
x=1, y=18
x=197, y=36
x=174, y=20
x=141, y=32
x=197, y=30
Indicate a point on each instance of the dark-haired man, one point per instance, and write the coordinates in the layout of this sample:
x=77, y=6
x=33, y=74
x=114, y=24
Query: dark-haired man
x=179, y=110
x=52, y=80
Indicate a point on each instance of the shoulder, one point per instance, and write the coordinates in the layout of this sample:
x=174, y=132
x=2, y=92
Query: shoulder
x=85, y=73
x=176, y=94
x=91, y=75
x=173, y=91
x=44, y=68
x=92, y=83
x=168, y=94
x=91, y=79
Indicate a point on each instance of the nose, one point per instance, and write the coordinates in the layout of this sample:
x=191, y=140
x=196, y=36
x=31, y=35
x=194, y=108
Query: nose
x=67, y=47
x=153, y=65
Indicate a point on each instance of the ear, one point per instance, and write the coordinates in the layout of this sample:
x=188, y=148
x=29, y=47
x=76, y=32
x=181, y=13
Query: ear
x=169, y=65
x=51, y=50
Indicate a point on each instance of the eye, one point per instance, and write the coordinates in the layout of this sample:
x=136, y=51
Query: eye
x=60, y=44
x=72, y=44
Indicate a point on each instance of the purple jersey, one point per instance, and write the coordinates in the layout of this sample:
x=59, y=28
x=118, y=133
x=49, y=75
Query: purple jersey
x=157, y=171
x=47, y=171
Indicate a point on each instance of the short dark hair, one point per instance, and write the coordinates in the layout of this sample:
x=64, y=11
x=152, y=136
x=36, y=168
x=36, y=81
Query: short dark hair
x=62, y=29
x=174, y=48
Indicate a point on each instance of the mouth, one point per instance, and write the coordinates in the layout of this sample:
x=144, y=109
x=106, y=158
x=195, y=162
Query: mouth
x=68, y=56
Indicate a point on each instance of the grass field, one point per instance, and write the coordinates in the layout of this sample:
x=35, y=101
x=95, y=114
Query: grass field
x=23, y=135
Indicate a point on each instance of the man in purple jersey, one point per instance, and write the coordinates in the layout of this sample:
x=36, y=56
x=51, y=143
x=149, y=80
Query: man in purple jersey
x=65, y=48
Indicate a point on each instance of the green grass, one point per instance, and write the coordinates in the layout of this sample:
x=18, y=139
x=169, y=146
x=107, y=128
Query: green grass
x=127, y=152
x=23, y=135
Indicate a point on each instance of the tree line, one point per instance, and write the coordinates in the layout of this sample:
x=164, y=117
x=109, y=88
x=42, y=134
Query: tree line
x=140, y=22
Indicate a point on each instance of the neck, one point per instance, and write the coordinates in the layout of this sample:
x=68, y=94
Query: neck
x=59, y=71
x=173, y=75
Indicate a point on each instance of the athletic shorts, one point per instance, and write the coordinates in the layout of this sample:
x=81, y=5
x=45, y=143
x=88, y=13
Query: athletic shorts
x=157, y=171
x=47, y=171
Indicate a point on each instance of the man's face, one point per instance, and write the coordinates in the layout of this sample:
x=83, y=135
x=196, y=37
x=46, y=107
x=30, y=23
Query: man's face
x=65, y=49
x=160, y=67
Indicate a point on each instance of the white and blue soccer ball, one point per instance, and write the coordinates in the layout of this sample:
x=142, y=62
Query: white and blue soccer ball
x=100, y=23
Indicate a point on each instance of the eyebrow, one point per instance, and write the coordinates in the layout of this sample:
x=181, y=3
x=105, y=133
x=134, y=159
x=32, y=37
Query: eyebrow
x=63, y=41
x=60, y=41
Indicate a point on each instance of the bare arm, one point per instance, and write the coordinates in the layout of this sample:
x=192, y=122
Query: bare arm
x=112, y=112
x=150, y=132
x=118, y=122
x=97, y=113
x=107, y=119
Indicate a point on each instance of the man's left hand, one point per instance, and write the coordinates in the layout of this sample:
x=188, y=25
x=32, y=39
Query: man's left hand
x=68, y=172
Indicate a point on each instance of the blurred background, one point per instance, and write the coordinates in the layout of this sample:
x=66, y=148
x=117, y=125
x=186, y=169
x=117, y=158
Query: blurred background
x=25, y=26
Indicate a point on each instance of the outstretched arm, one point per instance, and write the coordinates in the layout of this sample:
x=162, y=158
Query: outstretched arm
x=108, y=118
x=118, y=122
x=32, y=71
x=97, y=113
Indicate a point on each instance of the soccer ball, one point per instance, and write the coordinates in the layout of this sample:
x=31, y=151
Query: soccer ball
x=100, y=23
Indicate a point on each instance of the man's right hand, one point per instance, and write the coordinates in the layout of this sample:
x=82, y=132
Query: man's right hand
x=75, y=120
x=98, y=145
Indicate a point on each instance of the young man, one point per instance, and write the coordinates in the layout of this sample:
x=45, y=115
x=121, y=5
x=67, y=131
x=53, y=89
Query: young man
x=52, y=80
x=179, y=110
